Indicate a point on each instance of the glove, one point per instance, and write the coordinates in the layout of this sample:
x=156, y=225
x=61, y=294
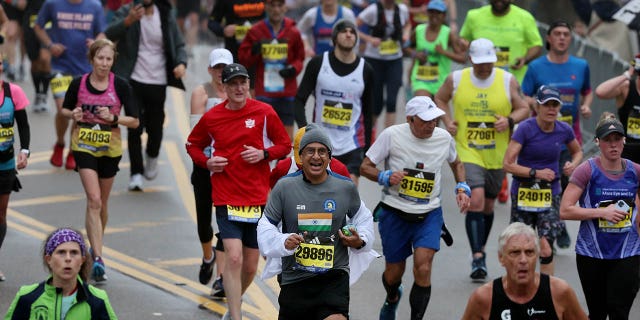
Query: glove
x=288, y=72
x=256, y=48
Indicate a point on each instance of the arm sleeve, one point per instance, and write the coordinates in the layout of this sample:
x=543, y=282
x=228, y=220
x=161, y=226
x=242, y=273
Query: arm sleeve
x=278, y=135
x=198, y=139
x=71, y=97
x=279, y=171
x=123, y=90
x=367, y=105
x=306, y=87
x=23, y=128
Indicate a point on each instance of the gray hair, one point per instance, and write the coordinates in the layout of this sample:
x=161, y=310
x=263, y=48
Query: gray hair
x=516, y=229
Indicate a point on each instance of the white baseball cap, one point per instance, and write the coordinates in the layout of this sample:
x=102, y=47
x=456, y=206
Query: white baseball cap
x=218, y=56
x=482, y=51
x=424, y=108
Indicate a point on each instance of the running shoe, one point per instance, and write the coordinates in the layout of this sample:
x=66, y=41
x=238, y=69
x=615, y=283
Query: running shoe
x=40, y=104
x=135, y=182
x=217, y=290
x=71, y=161
x=98, y=271
x=563, y=240
x=151, y=168
x=478, y=269
x=206, y=269
x=56, y=157
x=389, y=310
x=503, y=196
x=446, y=235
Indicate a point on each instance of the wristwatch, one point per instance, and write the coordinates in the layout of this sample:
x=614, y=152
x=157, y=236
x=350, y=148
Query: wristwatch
x=26, y=151
x=364, y=243
x=265, y=153
x=532, y=173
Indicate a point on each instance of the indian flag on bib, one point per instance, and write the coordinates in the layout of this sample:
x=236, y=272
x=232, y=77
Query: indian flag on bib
x=314, y=221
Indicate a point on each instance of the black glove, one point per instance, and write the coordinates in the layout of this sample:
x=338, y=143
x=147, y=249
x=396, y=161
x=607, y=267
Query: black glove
x=288, y=72
x=256, y=48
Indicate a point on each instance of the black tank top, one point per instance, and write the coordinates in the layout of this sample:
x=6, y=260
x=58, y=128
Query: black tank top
x=627, y=108
x=539, y=308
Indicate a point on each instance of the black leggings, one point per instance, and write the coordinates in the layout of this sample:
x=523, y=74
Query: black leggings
x=201, y=181
x=609, y=286
x=150, y=100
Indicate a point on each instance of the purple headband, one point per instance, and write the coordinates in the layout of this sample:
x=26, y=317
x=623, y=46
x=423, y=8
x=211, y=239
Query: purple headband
x=61, y=236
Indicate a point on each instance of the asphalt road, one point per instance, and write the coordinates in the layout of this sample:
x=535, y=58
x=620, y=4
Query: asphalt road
x=152, y=251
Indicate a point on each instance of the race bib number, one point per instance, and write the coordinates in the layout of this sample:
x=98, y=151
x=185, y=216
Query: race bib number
x=274, y=51
x=60, y=83
x=389, y=47
x=32, y=22
x=273, y=82
x=244, y=213
x=94, y=139
x=316, y=258
x=481, y=135
x=6, y=135
x=336, y=114
x=427, y=72
x=534, y=196
x=633, y=123
x=241, y=32
x=623, y=225
x=417, y=185
x=420, y=18
x=566, y=117
x=503, y=57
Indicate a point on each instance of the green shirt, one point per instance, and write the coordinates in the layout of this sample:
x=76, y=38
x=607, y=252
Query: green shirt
x=512, y=34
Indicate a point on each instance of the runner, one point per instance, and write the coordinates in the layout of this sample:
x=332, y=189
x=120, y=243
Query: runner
x=532, y=158
x=410, y=212
x=342, y=84
x=68, y=47
x=608, y=245
x=12, y=110
x=238, y=131
x=94, y=102
x=487, y=102
x=316, y=26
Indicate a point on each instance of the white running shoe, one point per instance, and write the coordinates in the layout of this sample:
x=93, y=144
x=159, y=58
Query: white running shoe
x=135, y=182
x=151, y=168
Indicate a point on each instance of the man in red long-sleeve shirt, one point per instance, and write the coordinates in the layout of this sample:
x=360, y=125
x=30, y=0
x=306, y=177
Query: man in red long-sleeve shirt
x=244, y=134
x=275, y=48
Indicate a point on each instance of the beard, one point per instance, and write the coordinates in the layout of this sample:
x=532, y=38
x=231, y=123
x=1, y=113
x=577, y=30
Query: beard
x=500, y=6
x=342, y=47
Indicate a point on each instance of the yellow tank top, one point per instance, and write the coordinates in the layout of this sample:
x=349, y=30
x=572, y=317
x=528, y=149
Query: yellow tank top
x=475, y=109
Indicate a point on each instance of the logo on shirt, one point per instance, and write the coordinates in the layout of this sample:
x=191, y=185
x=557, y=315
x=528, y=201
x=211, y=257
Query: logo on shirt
x=506, y=314
x=533, y=311
x=301, y=207
x=249, y=123
x=329, y=205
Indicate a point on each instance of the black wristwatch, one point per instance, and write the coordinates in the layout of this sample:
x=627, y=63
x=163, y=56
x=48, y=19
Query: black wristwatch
x=265, y=153
x=532, y=173
x=364, y=243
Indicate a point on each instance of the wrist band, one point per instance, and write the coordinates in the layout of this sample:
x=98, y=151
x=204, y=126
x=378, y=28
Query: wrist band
x=627, y=75
x=383, y=178
x=462, y=186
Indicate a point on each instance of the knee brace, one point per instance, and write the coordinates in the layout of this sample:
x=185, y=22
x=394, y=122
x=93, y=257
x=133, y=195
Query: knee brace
x=546, y=260
x=475, y=225
x=392, y=290
x=419, y=300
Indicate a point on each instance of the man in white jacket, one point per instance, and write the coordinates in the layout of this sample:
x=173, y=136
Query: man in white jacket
x=322, y=220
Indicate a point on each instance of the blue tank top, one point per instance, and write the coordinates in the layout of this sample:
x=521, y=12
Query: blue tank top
x=7, y=109
x=598, y=238
x=322, y=31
